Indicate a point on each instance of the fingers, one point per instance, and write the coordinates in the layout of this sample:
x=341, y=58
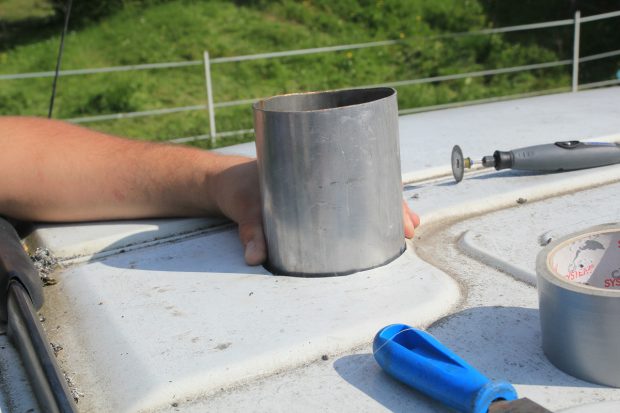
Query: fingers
x=255, y=247
x=411, y=220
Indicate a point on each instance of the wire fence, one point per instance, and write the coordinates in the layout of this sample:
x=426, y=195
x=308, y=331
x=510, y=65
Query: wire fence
x=212, y=105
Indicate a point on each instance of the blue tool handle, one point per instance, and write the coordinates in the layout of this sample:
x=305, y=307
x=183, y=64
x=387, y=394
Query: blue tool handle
x=417, y=359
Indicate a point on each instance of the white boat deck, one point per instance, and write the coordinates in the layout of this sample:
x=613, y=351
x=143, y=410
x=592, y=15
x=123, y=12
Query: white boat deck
x=164, y=315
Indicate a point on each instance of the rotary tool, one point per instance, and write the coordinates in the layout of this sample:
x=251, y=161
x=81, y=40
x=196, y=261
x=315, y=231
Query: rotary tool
x=554, y=157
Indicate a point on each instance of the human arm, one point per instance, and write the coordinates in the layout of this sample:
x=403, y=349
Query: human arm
x=55, y=171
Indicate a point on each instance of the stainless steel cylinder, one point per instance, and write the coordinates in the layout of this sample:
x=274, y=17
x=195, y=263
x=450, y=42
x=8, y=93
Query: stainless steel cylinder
x=329, y=168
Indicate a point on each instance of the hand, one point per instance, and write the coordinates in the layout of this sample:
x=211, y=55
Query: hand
x=411, y=221
x=237, y=194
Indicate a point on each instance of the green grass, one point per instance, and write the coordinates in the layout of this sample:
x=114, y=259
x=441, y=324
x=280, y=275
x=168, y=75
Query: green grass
x=182, y=30
x=16, y=10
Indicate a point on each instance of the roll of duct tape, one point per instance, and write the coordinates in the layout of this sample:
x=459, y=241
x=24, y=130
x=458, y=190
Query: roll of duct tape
x=579, y=297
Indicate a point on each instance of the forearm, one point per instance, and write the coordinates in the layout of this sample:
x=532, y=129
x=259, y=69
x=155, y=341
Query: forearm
x=54, y=171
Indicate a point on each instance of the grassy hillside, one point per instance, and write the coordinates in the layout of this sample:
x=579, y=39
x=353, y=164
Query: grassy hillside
x=182, y=30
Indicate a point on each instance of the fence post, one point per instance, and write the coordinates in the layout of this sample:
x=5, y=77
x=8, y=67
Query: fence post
x=576, y=51
x=210, y=107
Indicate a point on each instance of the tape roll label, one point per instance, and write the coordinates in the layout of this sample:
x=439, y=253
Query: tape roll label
x=591, y=260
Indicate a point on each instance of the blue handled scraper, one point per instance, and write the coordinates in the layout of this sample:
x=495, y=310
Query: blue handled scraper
x=417, y=359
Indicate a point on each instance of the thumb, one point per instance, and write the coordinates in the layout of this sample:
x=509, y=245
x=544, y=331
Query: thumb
x=253, y=240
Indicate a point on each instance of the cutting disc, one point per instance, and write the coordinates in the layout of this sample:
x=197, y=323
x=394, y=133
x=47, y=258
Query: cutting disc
x=458, y=163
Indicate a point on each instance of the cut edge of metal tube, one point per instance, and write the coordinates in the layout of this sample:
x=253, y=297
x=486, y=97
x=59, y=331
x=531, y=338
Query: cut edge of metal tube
x=275, y=271
x=268, y=104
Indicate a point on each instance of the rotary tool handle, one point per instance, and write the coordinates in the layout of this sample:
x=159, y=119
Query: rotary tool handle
x=559, y=156
x=417, y=359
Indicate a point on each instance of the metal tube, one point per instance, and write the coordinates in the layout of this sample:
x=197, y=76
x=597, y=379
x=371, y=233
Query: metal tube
x=59, y=60
x=329, y=168
x=576, y=51
x=600, y=16
x=210, y=96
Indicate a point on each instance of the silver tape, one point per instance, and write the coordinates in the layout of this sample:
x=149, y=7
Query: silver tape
x=579, y=297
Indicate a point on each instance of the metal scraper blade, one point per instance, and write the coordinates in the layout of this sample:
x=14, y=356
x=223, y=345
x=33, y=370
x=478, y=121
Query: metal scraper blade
x=517, y=406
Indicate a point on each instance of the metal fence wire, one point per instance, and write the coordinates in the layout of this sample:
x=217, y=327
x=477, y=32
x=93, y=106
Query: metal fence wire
x=212, y=105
